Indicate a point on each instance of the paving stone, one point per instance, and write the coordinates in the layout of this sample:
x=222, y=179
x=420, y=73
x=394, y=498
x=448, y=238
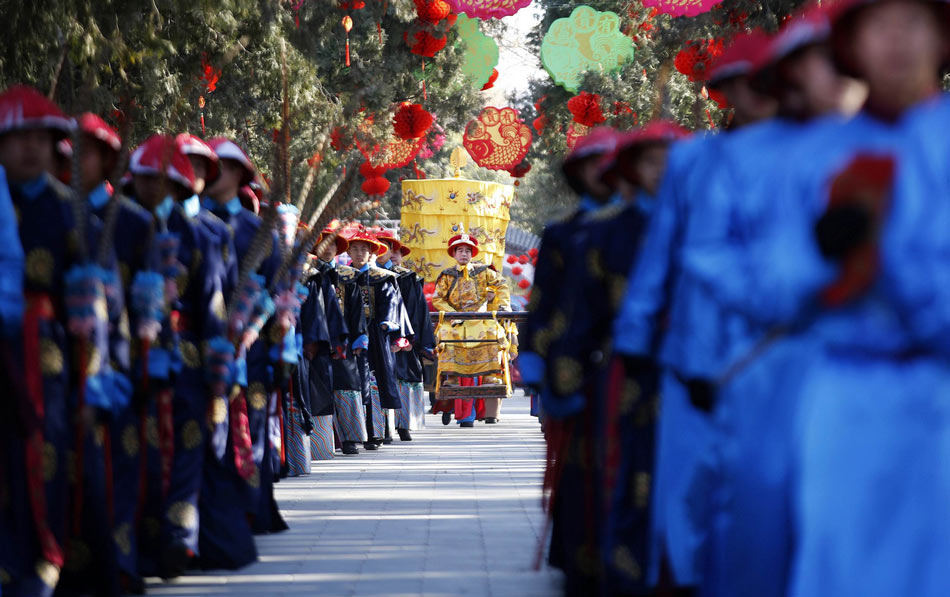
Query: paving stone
x=454, y=512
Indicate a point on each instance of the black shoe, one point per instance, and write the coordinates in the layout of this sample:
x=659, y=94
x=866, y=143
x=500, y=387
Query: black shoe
x=404, y=435
x=133, y=585
x=388, y=440
x=446, y=418
x=174, y=561
x=371, y=446
x=467, y=424
x=349, y=448
x=490, y=420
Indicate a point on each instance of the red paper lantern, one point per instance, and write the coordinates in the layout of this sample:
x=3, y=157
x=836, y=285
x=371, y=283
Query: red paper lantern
x=574, y=132
x=533, y=252
x=511, y=259
x=491, y=80
x=412, y=121
x=375, y=186
x=586, y=109
x=352, y=4
x=517, y=270
x=425, y=39
x=522, y=259
x=368, y=170
x=520, y=170
x=432, y=11
x=497, y=139
x=523, y=284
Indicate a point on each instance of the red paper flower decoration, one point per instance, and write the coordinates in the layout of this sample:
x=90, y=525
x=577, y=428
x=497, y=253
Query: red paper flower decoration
x=694, y=60
x=491, y=80
x=425, y=39
x=511, y=259
x=352, y=4
x=523, y=284
x=520, y=170
x=412, y=121
x=432, y=11
x=586, y=109
x=497, y=139
x=375, y=186
x=522, y=259
x=517, y=270
x=533, y=252
x=210, y=74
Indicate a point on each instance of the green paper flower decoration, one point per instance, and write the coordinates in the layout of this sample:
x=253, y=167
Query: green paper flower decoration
x=481, y=51
x=586, y=40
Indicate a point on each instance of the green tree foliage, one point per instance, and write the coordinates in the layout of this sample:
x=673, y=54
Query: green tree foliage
x=646, y=88
x=152, y=60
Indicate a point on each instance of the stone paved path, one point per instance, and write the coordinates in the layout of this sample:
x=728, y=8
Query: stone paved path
x=455, y=512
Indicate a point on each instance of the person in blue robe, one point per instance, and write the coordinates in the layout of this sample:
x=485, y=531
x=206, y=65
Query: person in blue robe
x=571, y=431
x=868, y=489
x=36, y=503
x=756, y=403
x=228, y=498
x=666, y=315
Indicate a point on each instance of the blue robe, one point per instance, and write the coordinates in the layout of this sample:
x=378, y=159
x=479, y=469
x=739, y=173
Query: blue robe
x=873, y=483
x=756, y=409
x=130, y=231
x=609, y=417
x=38, y=440
x=666, y=314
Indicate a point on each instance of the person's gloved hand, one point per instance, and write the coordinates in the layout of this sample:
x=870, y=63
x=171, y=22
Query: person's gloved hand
x=702, y=394
x=841, y=229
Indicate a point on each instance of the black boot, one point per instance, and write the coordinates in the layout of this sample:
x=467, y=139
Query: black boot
x=467, y=424
x=404, y=435
x=349, y=448
x=490, y=420
x=370, y=445
x=446, y=418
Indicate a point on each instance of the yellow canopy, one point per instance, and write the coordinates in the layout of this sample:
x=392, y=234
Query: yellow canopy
x=433, y=211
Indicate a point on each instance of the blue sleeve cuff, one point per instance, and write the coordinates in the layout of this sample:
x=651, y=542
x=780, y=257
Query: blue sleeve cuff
x=390, y=326
x=361, y=343
x=561, y=406
x=531, y=367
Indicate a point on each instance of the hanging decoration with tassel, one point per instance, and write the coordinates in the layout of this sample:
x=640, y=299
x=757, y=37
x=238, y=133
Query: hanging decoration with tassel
x=347, y=26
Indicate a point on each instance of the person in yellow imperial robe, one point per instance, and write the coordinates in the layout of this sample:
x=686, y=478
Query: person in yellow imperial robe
x=472, y=286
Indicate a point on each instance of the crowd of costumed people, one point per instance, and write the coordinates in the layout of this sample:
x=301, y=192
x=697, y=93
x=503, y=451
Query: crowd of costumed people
x=740, y=336
x=171, y=351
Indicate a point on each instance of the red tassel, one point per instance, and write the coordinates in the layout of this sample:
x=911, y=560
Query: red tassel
x=80, y=439
x=166, y=438
x=347, y=50
x=712, y=124
x=202, y=124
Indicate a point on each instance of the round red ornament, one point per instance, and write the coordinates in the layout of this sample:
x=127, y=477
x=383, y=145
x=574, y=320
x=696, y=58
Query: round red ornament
x=511, y=259
x=523, y=284
x=533, y=252
x=412, y=121
x=375, y=186
x=586, y=109
x=432, y=11
x=517, y=270
x=522, y=259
